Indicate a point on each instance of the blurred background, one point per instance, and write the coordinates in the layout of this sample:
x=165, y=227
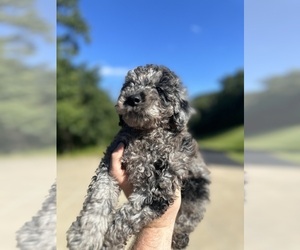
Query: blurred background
x=272, y=131
x=27, y=114
x=98, y=43
x=202, y=41
x=206, y=43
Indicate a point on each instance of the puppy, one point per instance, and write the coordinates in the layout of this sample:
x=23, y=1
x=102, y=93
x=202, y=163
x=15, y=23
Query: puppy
x=160, y=157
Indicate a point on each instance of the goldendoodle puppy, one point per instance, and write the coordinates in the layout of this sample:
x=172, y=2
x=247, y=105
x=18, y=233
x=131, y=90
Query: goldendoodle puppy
x=160, y=157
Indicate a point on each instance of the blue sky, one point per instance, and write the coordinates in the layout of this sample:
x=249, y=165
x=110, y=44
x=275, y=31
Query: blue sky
x=202, y=41
x=271, y=40
x=46, y=51
x=45, y=48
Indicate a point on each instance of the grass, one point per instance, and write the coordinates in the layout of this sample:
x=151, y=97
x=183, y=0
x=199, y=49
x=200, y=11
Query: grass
x=286, y=139
x=89, y=151
x=48, y=151
x=237, y=156
x=284, y=143
x=230, y=141
x=289, y=156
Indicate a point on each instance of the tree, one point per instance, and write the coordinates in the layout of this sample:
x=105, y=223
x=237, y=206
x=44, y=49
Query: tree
x=72, y=28
x=222, y=110
x=85, y=113
x=274, y=108
x=27, y=92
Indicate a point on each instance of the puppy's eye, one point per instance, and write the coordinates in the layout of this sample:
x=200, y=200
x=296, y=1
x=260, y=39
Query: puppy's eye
x=162, y=94
x=164, y=79
x=160, y=91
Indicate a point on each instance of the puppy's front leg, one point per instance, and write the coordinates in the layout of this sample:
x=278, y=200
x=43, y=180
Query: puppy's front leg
x=87, y=232
x=142, y=208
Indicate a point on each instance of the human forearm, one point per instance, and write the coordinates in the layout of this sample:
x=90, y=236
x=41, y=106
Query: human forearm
x=152, y=238
x=158, y=234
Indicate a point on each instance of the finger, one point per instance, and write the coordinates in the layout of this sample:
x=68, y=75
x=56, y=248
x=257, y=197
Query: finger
x=116, y=156
x=118, y=152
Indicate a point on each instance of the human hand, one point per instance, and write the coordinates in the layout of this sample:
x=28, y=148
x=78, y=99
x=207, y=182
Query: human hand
x=169, y=217
x=118, y=173
x=157, y=234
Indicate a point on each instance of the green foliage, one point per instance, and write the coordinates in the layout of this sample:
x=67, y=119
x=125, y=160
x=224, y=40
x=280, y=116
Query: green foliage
x=285, y=139
x=289, y=156
x=85, y=114
x=72, y=27
x=272, y=117
x=219, y=111
x=27, y=107
x=218, y=122
x=275, y=108
x=230, y=141
x=27, y=93
x=237, y=156
x=283, y=143
x=22, y=26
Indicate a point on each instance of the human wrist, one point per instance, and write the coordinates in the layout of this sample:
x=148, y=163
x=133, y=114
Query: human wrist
x=155, y=238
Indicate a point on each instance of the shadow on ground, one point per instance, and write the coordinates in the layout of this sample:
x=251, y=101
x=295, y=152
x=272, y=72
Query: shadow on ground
x=257, y=157
x=213, y=157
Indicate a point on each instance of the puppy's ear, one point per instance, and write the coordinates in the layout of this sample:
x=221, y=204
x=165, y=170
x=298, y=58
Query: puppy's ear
x=181, y=116
x=121, y=121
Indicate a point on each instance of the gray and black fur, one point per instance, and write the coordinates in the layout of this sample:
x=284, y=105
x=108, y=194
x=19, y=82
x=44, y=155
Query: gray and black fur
x=160, y=156
x=40, y=231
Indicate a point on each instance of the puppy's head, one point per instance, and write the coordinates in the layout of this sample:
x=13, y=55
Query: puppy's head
x=152, y=96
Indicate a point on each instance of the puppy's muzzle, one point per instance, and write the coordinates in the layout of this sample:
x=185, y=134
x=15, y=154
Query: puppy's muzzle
x=135, y=100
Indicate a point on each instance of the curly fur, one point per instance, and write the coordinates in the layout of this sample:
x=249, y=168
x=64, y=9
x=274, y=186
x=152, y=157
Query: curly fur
x=40, y=232
x=160, y=156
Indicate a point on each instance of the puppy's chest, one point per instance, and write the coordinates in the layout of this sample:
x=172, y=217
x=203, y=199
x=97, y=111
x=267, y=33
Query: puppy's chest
x=144, y=156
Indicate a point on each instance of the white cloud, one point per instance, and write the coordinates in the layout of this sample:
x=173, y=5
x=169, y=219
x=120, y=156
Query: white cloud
x=107, y=70
x=196, y=29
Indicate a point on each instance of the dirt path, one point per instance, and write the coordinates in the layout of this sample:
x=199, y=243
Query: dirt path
x=24, y=184
x=222, y=228
x=272, y=208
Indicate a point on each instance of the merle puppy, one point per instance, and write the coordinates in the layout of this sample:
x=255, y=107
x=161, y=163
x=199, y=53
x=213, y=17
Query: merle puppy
x=160, y=156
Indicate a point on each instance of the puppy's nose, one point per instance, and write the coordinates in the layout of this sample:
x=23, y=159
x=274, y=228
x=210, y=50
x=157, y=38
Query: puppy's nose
x=134, y=100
